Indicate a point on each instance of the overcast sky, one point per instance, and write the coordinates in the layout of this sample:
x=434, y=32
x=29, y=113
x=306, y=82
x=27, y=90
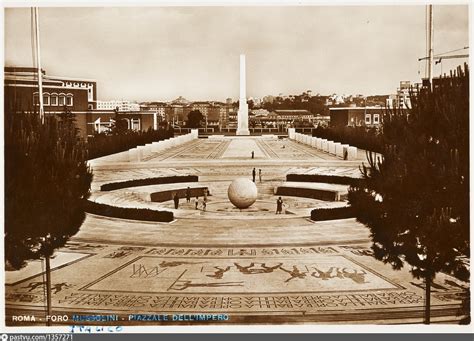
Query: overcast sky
x=159, y=53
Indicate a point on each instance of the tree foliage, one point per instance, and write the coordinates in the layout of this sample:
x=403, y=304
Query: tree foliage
x=415, y=199
x=46, y=182
x=194, y=119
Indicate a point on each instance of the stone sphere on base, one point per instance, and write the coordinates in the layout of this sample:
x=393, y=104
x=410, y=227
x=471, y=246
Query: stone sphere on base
x=242, y=193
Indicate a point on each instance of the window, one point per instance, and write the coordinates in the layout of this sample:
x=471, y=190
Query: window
x=376, y=119
x=69, y=100
x=135, y=124
x=54, y=99
x=46, y=99
x=62, y=100
x=368, y=119
x=35, y=99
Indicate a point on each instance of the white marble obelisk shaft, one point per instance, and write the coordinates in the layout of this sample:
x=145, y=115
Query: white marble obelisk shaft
x=243, y=114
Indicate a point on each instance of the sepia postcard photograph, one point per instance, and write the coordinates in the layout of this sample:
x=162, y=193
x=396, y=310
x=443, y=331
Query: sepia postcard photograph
x=235, y=164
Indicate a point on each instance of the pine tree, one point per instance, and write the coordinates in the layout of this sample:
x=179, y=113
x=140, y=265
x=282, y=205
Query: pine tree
x=46, y=182
x=415, y=199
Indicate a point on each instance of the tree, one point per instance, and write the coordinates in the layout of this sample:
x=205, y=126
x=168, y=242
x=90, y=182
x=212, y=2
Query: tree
x=415, y=199
x=119, y=125
x=194, y=119
x=46, y=182
x=250, y=104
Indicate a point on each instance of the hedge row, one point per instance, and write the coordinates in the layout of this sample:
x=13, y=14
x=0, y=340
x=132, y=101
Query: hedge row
x=143, y=214
x=330, y=179
x=313, y=193
x=149, y=181
x=320, y=214
x=104, y=144
x=360, y=137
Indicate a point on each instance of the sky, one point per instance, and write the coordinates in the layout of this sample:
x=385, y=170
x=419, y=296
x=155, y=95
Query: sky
x=160, y=53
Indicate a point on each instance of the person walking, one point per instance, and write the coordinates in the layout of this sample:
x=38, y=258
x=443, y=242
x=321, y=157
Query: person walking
x=279, y=205
x=188, y=195
x=260, y=175
x=176, y=200
x=254, y=173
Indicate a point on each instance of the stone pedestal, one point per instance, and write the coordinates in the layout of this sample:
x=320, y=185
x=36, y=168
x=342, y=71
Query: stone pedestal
x=351, y=153
x=319, y=142
x=291, y=133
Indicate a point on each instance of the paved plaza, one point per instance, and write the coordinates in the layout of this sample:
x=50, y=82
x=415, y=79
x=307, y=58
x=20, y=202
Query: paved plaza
x=251, y=264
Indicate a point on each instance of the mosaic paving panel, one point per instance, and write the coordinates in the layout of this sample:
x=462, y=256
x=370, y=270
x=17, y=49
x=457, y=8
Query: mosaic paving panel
x=165, y=275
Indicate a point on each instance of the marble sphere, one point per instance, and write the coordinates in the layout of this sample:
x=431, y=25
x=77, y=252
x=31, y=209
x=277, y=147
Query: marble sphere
x=242, y=193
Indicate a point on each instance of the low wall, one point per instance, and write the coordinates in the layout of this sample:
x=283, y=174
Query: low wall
x=143, y=214
x=320, y=214
x=149, y=181
x=313, y=193
x=168, y=194
x=330, y=179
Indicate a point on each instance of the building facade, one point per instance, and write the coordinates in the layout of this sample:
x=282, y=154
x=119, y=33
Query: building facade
x=355, y=116
x=78, y=96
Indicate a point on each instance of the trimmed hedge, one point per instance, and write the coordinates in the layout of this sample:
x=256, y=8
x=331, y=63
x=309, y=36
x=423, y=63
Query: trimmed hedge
x=320, y=214
x=103, y=144
x=330, y=179
x=149, y=181
x=143, y=214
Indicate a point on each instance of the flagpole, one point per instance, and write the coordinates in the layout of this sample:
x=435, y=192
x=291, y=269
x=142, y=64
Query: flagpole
x=38, y=58
x=430, y=41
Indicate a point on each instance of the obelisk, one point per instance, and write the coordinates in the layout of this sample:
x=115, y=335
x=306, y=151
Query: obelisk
x=243, y=114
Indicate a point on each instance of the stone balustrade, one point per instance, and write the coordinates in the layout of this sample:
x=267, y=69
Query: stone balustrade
x=338, y=149
x=141, y=152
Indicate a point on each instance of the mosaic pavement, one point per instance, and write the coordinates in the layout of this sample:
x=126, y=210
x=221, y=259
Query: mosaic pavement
x=254, y=266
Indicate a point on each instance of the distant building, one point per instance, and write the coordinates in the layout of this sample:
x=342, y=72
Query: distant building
x=355, y=116
x=260, y=112
x=21, y=91
x=401, y=99
x=79, y=96
x=291, y=115
x=121, y=105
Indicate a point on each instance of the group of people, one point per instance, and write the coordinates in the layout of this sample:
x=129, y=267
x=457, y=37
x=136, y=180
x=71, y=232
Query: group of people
x=254, y=174
x=198, y=203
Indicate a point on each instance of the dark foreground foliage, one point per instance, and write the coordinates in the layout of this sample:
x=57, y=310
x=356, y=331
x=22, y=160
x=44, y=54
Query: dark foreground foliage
x=46, y=182
x=415, y=200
